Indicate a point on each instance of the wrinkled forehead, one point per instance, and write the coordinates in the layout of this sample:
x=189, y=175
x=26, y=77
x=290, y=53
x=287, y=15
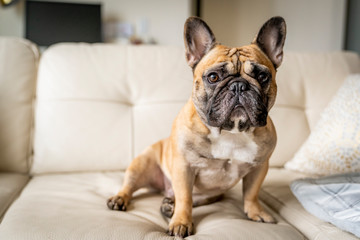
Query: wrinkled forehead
x=232, y=59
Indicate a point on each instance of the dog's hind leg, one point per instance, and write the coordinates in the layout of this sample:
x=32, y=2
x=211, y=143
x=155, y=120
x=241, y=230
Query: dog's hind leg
x=168, y=204
x=144, y=171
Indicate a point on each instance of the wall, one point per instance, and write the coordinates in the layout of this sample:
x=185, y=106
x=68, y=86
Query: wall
x=353, y=28
x=165, y=18
x=312, y=25
x=11, y=20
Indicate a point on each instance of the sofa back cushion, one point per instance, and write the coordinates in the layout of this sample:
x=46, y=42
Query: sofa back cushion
x=306, y=83
x=100, y=105
x=18, y=68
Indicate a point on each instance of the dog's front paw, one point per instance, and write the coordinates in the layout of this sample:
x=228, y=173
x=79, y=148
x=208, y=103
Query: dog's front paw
x=180, y=229
x=261, y=216
x=254, y=212
x=118, y=202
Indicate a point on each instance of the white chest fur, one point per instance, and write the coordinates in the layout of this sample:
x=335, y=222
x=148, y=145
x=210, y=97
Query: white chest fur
x=232, y=157
x=237, y=147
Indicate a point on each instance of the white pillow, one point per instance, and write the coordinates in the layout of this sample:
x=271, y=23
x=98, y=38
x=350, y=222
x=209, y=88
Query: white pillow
x=334, y=145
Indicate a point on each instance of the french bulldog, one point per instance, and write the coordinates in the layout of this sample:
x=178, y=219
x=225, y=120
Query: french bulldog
x=223, y=133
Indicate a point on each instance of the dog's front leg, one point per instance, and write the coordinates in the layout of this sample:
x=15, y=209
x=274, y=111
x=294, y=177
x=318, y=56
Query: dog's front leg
x=251, y=187
x=182, y=179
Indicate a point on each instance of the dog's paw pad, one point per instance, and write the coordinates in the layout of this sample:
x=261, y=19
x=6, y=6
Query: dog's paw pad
x=117, y=203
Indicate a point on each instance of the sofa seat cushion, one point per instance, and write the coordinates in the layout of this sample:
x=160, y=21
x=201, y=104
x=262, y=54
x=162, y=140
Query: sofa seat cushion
x=276, y=194
x=10, y=186
x=73, y=206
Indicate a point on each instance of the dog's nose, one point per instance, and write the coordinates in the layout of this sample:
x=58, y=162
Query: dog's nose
x=238, y=86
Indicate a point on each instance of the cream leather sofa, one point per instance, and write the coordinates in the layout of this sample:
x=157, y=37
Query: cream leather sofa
x=72, y=120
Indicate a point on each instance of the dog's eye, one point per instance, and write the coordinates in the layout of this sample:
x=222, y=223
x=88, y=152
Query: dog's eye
x=213, y=77
x=262, y=77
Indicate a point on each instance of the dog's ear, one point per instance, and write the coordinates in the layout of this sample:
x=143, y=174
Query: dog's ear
x=271, y=39
x=198, y=39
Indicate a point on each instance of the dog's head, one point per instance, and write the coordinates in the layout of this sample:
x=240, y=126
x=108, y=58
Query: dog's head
x=234, y=88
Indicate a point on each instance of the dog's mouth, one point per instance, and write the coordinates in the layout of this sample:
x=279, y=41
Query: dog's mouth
x=238, y=104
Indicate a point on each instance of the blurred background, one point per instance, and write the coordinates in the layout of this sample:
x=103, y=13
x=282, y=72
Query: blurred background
x=320, y=25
